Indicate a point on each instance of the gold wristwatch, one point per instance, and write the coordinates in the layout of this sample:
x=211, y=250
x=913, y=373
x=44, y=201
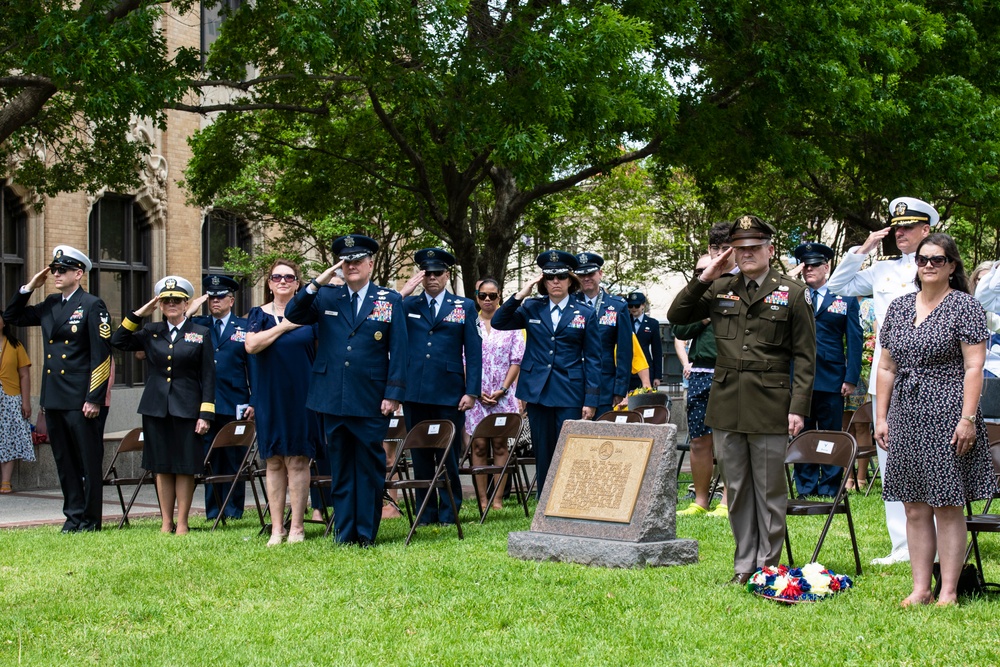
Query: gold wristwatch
x=971, y=418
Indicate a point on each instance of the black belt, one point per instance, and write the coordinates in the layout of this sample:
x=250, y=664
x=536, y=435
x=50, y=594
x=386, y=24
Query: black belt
x=752, y=365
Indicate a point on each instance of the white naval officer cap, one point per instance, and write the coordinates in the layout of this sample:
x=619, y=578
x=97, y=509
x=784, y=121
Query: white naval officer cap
x=174, y=286
x=69, y=257
x=911, y=211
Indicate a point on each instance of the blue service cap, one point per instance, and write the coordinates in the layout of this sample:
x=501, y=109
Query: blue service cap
x=434, y=259
x=353, y=247
x=552, y=262
x=635, y=299
x=813, y=253
x=589, y=262
x=218, y=285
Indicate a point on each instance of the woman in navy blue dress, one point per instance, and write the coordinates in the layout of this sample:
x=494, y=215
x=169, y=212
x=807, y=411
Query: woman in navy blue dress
x=288, y=433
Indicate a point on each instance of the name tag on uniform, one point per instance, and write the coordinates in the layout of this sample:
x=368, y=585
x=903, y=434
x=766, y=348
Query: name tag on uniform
x=331, y=312
x=534, y=321
x=415, y=316
x=727, y=300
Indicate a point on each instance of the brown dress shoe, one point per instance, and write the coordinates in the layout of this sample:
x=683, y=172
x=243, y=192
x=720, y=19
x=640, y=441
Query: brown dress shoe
x=741, y=578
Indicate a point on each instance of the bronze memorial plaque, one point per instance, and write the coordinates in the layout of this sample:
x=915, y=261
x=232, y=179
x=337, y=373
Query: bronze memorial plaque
x=599, y=478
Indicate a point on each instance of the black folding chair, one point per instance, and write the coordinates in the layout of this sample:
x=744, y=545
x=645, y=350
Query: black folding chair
x=862, y=419
x=621, y=417
x=132, y=442
x=836, y=448
x=505, y=425
x=429, y=434
x=984, y=522
x=234, y=434
x=654, y=414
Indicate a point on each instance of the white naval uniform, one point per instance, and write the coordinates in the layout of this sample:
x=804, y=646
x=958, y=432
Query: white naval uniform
x=883, y=281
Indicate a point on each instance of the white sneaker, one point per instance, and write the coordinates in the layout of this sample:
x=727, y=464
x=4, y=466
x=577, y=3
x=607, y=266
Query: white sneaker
x=898, y=555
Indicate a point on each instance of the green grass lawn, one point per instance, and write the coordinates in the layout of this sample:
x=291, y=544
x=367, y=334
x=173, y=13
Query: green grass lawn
x=136, y=597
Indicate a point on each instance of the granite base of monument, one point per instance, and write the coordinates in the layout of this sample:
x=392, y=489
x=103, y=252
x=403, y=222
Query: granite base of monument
x=610, y=500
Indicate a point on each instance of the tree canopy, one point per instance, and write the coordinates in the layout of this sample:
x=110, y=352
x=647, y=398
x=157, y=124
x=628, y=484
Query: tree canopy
x=72, y=77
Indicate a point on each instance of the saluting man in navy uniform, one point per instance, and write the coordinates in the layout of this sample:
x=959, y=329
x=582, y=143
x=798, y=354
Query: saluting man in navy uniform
x=615, y=326
x=358, y=381
x=76, y=329
x=838, y=327
x=232, y=384
x=647, y=332
x=440, y=328
x=561, y=370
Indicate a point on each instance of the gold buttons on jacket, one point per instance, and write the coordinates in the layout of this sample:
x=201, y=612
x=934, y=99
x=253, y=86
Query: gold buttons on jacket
x=168, y=369
x=64, y=356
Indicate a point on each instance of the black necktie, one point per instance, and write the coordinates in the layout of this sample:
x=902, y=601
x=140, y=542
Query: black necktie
x=354, y=306
x=752, y=288
x=558, y=314
x=173, y=334
x=434, y=310
x=218, y=331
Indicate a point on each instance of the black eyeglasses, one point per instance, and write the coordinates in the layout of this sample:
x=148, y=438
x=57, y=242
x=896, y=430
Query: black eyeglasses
x=937, y=261
x=283, y=277
x=557, y=276
x=433, y=274
x=488, y=296
x=58, y=270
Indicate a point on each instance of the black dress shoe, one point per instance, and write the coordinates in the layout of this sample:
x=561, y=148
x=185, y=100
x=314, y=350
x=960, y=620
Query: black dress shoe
x=70, y=527
x=89, y=528
x=741, y=578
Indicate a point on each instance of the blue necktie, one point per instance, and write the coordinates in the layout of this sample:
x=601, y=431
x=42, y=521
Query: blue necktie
x=218, y=331
x=354, y=306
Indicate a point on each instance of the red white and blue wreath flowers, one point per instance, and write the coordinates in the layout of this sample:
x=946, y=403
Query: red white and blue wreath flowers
x=809, y=583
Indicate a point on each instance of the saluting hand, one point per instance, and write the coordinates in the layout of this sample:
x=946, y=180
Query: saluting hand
x=716, y=268
x=526, y=291
x=325, y=277
x=149, y=307
x=39, y=279
x=873, y=240
x=195, y=305
x=412, y=283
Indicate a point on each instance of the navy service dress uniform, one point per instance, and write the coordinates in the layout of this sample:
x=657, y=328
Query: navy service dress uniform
x=561, y=368
x=77, y=367
x=838, y=360
x=647, y=332
x=436, y=379
x=232, y=389
x=760, y=339
x=361, y=360
x=615, y=326
x=180, y=385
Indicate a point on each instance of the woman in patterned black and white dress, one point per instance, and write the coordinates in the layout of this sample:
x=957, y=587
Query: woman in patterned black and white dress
x=933, y=347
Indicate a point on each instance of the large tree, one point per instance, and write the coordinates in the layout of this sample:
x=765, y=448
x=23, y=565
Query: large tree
x=73, y=75
x=474, y=110
x=855, y=102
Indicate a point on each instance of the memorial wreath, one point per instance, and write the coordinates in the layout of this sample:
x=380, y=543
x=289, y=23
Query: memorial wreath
x=809, y=583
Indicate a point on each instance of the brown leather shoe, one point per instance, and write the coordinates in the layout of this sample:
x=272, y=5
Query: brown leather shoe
x=741, y=578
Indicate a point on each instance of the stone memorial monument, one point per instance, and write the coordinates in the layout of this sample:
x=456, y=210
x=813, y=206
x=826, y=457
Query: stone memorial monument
x=610, y=499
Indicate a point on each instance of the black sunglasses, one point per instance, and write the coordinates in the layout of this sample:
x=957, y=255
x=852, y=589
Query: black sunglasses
x=937, y=261
x=58, y=270
x=171, y=300
x=433, y=274
x=488, y=296
x=286, y=277
x=557, y=276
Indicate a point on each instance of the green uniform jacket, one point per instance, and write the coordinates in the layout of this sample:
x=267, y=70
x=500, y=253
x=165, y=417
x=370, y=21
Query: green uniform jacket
x=759, y=342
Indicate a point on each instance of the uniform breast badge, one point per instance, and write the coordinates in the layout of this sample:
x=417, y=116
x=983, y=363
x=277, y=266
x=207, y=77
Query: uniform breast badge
x=382, y=312
x=609, y=318
x=457, y=315
x=838, y=307
x=239, y=336
x=777, y=298
x=578, y=322
x=192, y=337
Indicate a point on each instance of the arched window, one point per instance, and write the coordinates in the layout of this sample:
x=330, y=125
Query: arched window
x=223, y=230
x=120, y=250
x=13, y=242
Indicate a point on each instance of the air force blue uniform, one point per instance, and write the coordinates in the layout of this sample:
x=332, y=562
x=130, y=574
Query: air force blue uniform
x=232, y=388
x=361, y=360
x=838, y=327
x=614, y=324
x=561, y=368
x=436, y=380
